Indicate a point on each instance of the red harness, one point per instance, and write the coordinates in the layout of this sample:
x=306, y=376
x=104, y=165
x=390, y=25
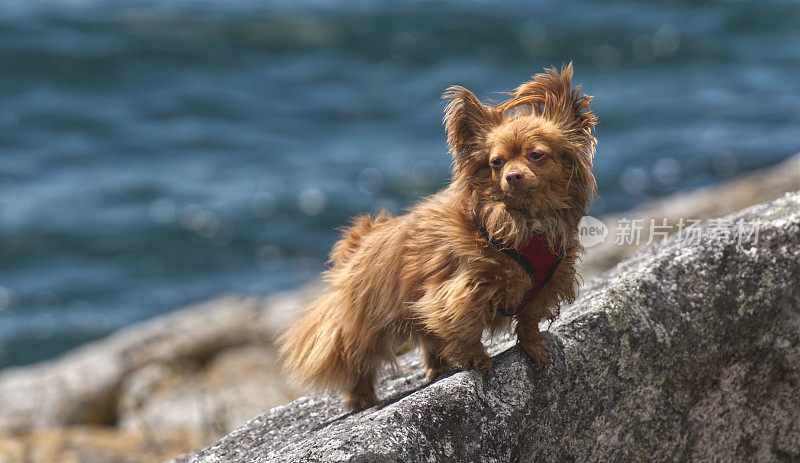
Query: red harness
x=537, y=258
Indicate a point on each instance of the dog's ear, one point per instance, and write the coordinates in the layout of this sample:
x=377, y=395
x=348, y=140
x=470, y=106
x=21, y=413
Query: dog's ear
x=467, y=122
x=551, y=95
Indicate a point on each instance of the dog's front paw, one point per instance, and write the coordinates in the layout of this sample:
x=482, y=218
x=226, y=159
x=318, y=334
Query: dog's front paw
x=538, y=352
x=356, y=401
x=433, y=373
x=481, y=362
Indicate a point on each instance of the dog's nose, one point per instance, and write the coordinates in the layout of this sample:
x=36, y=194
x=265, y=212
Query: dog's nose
x=514, y=178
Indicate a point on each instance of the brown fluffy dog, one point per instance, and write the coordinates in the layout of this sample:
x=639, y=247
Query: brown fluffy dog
x=442, y=273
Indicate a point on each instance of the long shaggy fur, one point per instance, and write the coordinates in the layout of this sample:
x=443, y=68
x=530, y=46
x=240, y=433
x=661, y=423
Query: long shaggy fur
x=429, y=276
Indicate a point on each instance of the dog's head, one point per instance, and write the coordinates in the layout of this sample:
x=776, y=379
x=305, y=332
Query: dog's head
x=531, y=154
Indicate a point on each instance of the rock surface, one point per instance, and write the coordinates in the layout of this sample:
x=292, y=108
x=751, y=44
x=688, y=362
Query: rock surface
x=682, y=352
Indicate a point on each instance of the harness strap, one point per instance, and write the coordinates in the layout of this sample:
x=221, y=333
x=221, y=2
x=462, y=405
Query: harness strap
x=537, y=259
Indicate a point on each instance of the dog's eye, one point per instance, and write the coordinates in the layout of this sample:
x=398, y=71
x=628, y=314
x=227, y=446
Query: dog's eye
x=536, y=155
x=497, y=162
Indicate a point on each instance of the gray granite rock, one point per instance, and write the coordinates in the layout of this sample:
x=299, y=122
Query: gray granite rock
x=682, y=352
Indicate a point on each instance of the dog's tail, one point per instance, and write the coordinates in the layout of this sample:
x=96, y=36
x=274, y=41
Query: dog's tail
x=312, y=347
x=353, y=235
x=332, y=344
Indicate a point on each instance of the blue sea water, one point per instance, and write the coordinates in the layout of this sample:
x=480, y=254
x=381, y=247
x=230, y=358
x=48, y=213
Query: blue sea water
x=158, y=153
